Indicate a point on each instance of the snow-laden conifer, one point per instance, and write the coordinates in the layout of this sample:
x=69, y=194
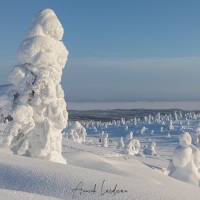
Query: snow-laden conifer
x=38, y=106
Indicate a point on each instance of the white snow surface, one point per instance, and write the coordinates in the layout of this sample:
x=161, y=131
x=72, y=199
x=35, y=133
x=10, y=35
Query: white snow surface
x=89, y=163
x=32, y=176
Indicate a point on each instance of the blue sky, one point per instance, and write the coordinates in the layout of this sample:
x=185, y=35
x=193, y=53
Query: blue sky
x=119, y=50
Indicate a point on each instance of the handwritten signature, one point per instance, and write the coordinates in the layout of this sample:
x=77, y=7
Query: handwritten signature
x=81, y=190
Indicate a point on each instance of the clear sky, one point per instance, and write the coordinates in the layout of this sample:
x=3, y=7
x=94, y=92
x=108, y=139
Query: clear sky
x=119, y=50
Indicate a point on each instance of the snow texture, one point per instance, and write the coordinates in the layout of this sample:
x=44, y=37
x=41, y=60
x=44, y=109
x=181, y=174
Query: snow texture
x=37, y=106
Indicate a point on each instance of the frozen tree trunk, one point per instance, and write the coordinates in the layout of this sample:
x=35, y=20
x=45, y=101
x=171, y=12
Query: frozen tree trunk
x=38, y=107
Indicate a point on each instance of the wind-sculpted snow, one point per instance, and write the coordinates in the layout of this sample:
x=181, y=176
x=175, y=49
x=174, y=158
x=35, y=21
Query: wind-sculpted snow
x=122, y=178
x=38, y=107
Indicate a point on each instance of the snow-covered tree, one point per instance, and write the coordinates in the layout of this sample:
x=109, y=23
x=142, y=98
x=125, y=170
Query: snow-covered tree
x=175, y=116
x=150, y=149
x=129, y=148
x=76, y=132
x=120, y=144
x=132, y=147
x=185, y=161
x=104, y=140
x=136, y=144
x=38, y=107
x=129, y=136
x=196, y=136
x=135, y=121
x=180, y=115
x=171, y=127
x=143, y=130
x=168, y=136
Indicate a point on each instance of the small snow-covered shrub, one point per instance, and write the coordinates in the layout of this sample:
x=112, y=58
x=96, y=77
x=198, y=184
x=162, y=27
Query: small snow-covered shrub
x=150, y=149
x=152, y=132
x=129, y=148
x=136, y=144
x=120, y=144
x=143, y=130
x=129, y=136
x=171, y=127
x=104, y=139
x=168, y=136
x=196, y=137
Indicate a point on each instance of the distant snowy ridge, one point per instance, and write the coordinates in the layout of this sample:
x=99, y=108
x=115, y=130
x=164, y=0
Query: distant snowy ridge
x=184, y=105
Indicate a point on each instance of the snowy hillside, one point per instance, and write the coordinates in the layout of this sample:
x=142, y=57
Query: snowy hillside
x=89, y=166
x=92, y=170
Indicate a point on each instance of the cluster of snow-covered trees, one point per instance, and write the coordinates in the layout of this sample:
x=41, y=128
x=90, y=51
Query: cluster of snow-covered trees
x=75, y=131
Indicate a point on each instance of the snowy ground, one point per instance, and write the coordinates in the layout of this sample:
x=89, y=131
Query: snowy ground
x=92, y=170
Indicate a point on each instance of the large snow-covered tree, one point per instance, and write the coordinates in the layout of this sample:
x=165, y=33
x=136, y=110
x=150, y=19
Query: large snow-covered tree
x=37, y=104
x=185, y=163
